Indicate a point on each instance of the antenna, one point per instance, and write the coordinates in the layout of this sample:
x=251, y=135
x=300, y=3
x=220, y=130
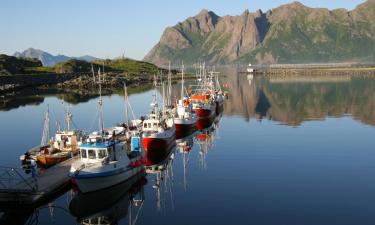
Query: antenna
x=100, y=103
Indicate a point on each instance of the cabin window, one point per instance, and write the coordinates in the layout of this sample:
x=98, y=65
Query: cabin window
x=149, y=125
x=92, y=154
x=83, y=153
x=155, y=125
x=102, y=153
x=145, y=125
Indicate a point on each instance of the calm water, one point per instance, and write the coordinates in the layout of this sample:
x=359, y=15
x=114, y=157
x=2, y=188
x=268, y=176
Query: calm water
x=285, y=151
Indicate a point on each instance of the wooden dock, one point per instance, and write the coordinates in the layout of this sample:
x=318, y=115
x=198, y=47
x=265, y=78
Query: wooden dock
x=33, y=191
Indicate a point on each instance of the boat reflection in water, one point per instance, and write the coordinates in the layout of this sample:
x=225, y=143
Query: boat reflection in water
x=161, y=175
x=184, y=147
x=109, y=206
x=205, y=140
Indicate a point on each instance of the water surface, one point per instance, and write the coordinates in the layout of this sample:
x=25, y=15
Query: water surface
x=296, y=150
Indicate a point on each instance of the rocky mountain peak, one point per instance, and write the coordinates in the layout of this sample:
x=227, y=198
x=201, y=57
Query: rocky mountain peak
x=289, y=33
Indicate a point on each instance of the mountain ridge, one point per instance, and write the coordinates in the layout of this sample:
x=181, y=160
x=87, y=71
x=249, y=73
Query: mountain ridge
x=290, y=33
x=48, y=59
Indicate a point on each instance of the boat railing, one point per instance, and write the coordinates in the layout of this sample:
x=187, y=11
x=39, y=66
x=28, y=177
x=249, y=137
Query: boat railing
x=15, y=180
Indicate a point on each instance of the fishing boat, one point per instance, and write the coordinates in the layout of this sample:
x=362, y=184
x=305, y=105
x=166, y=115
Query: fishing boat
x=250, y=69
x=185, y=118
x=64, y=145
x=203, y=101
x=219, y=95
x=158, y=131
x=103, y=162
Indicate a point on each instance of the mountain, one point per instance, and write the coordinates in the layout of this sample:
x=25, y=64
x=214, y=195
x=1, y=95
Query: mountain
x=291, y=33
x=48, y=59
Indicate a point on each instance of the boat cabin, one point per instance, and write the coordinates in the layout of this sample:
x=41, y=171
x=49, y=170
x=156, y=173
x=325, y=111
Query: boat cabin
x=67, y=140
x=100, y=151
x=151, y=125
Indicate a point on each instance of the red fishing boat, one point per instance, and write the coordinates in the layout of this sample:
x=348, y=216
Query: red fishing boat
x=158, y=129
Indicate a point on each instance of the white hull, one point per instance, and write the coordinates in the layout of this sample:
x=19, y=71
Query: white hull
x=97, y=183
x=186, y=121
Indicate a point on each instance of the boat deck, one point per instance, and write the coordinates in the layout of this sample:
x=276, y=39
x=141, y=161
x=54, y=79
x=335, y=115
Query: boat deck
x=33, y=191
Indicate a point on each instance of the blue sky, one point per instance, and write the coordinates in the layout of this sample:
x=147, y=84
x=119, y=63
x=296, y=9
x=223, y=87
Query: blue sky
x=107, y=28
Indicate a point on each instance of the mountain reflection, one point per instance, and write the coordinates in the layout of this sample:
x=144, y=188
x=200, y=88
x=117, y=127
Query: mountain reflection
x=289, y=100
x=293, y=100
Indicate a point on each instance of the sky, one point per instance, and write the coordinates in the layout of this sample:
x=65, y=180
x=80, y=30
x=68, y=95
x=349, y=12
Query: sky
x=111, y=28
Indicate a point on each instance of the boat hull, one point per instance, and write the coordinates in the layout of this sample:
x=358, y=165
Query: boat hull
x=206, y=122
x=185, y=127
x=85, y=206
x=219, y=107
x=156, y=157
x=94, y=182
x=157, y=144
x=50, y=160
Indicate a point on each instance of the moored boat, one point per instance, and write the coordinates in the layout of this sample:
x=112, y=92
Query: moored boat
x=64, y=145
x=103, y=162
x=185, y=118
x=158, y=131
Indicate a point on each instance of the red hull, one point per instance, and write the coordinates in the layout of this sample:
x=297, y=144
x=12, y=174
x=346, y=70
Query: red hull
x=157, y=157
x=204, y=123
x=183, y=130
x=203, y=113
x=157, y=144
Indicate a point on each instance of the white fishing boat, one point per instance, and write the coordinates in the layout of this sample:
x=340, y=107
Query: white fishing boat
x=103, y=161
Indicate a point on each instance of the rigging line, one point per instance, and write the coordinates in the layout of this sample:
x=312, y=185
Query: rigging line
x=57, y=207
x=136, y=216
x=94, y=121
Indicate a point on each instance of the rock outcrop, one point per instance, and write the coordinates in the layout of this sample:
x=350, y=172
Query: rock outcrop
x=291, y=33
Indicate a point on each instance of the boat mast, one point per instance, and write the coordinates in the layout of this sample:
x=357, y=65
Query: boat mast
x=126, y=105
x=163, y=98
x=68, y=118
x=93, y=73
x=100, y=102
x=182, y=81
x=46, y=129
x=169, y=85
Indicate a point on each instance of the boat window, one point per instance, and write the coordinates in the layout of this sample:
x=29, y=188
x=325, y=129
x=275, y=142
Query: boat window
x=83, y=153
x=110, y=153
x=92, y=154
x=149, y=125
x=102, y=153
x=155, y=125
x=145, y=125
